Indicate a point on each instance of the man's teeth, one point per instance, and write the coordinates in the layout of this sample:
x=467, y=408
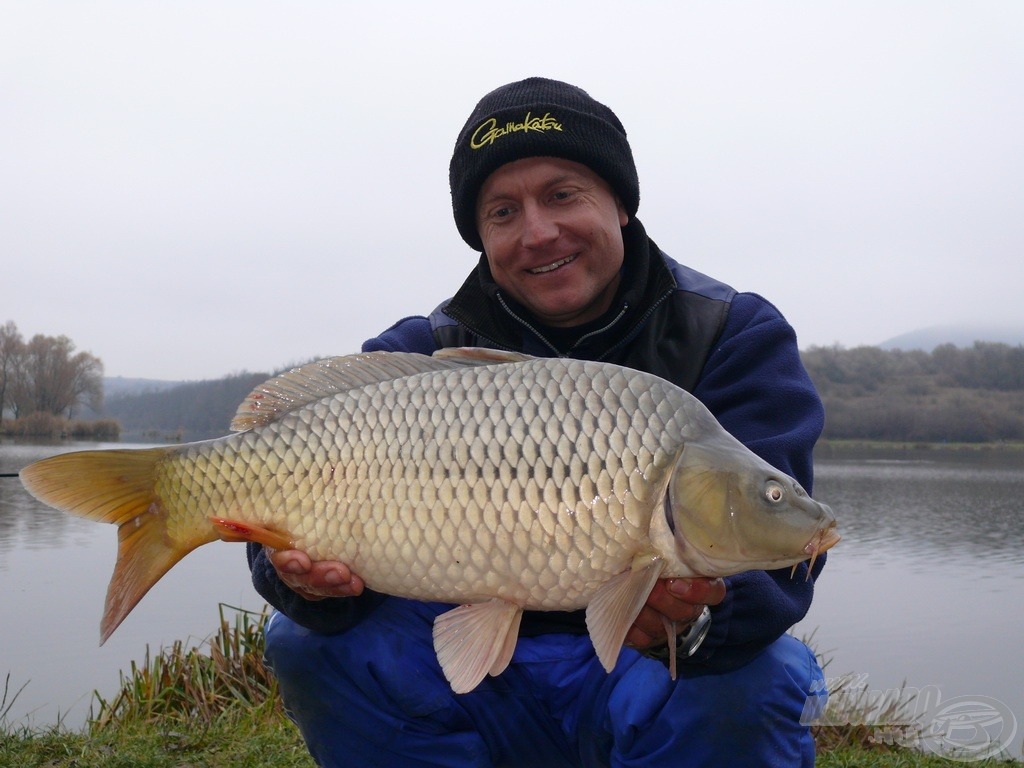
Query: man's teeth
x=556, y=265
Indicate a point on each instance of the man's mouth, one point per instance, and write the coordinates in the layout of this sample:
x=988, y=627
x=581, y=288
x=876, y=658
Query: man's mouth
x=553, y=265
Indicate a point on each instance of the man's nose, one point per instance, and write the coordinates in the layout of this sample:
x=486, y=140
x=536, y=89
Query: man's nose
x=539, y=226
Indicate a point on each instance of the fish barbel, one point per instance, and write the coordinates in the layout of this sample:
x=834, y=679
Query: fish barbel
x=492, y=480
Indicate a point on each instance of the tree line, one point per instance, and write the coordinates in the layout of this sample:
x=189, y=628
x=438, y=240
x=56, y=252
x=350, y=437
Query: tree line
x=45, y=375
x=951, y=394
x=192, y=410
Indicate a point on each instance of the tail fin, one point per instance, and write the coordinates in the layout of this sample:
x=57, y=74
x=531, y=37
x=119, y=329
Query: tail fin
x=118, y=486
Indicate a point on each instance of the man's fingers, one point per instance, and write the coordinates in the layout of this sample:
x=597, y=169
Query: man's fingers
x=649, y=627
x=678, y=600
x=665, y=600
x=290, y=561
x=315, y=580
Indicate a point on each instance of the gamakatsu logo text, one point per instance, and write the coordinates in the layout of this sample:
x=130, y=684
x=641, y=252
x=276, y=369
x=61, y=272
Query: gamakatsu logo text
x=489, y=132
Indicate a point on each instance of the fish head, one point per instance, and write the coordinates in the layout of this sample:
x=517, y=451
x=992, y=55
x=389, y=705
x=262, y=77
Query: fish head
x=731, y=511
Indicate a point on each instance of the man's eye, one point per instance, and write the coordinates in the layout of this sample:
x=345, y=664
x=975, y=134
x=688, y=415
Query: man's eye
x=501, y=213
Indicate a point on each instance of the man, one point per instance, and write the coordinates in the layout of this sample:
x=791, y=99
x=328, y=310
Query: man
x=543, y=183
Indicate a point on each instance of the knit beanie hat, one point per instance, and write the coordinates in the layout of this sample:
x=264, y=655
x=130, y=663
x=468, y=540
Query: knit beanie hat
x=538, y=117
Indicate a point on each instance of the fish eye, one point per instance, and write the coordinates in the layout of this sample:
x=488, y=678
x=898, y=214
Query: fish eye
x=774, y=492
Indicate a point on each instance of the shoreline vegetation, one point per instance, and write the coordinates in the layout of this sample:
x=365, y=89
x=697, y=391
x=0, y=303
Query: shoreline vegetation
x=955, y=395
x=49, y=426
x=217, y=704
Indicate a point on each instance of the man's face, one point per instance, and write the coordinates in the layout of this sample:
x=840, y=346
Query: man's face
x=552, y=233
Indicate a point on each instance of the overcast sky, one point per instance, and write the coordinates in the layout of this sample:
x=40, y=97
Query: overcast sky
x=193, y=189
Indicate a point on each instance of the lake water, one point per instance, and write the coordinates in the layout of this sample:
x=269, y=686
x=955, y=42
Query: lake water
x=923, y=594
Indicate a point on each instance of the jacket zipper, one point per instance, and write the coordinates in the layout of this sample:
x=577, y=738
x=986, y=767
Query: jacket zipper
x=548, y=344
x=639, y=323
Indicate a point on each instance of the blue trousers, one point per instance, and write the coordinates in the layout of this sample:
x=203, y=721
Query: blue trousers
x=375, y=696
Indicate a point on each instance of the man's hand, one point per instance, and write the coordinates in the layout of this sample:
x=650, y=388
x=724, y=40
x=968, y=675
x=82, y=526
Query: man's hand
x=679, y=600
x=314, y=580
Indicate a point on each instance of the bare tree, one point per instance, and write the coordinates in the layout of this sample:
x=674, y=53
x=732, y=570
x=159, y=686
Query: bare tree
x=12, y=349
x=53, y=379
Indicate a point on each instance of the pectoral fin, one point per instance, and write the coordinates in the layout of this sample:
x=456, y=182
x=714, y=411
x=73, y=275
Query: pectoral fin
x=616, y=605
x=472, y=641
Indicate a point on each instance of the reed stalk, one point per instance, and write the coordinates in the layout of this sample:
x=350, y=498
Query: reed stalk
x=195, y=684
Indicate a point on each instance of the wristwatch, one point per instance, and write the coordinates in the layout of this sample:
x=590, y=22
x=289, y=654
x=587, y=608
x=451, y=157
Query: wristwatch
x=690, y=640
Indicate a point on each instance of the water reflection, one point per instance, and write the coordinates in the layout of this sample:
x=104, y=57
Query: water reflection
x=913, y=510
x=54, y=570
x=26, y=524
x=924, y=589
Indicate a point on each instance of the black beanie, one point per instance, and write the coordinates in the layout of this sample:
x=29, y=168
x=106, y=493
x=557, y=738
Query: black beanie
x=538, y=117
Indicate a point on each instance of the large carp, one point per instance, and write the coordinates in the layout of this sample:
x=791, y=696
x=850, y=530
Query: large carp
x=492, y=480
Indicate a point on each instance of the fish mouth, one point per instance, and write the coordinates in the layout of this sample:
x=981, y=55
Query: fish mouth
x=823, y=540
x=553, y=265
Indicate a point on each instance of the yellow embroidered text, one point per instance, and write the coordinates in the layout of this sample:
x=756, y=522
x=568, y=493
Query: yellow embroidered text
x=489, y=132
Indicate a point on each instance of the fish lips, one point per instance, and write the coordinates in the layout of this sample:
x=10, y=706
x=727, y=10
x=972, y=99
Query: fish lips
x=823, y=540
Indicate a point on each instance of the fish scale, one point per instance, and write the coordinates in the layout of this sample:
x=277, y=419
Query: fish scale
x=489, y=479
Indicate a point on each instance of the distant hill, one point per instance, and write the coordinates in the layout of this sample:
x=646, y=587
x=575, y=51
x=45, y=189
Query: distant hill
x=968, y=394
x=189, y=410
x=927, y=339
x=117, y=386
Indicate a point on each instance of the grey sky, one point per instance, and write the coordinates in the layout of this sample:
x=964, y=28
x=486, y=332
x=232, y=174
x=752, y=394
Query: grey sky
x=192, y=189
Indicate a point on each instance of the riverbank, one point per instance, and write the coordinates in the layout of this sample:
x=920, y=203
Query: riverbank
x=857, y=447
x=242, y=739
x=217, y=705
x=1003, y=453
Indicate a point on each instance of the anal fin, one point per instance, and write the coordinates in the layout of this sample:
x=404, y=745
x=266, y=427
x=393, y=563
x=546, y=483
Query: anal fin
x=234, y=530
x=617, y=604
x=472, y=641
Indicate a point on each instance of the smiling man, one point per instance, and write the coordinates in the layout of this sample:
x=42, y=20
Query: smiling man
x=552, y=234
x=544, y=186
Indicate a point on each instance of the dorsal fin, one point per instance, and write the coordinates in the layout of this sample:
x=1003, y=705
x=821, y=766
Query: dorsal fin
x=481, y=355
x=314, y=381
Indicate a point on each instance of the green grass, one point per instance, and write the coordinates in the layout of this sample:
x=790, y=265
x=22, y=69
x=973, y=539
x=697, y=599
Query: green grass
x=217, y=706
x=237, y=738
